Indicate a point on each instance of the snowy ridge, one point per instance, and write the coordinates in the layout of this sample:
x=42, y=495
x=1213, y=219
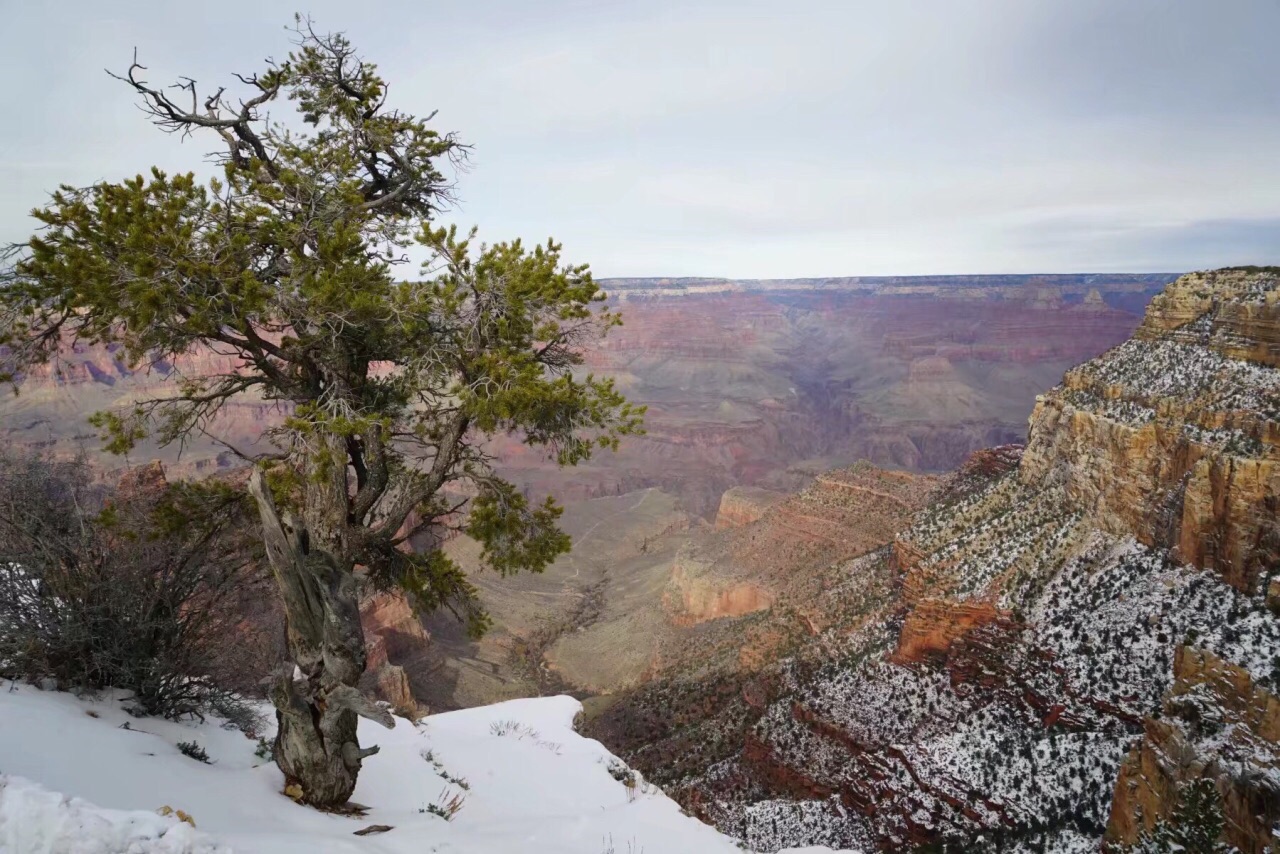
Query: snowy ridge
x=531, y=785
x=1024, y=725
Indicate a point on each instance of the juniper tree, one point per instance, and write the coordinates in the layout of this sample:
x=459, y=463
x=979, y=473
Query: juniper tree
x=287, y=261
x=1195, y=826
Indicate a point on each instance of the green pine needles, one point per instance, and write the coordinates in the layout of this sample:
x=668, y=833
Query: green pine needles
x=292, y=262
x=1195, y=827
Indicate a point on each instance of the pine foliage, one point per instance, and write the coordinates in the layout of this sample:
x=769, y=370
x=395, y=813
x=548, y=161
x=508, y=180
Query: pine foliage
x=293, y=263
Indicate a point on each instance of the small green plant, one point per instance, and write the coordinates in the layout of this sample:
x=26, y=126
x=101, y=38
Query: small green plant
x=194, y=750
x=446, y=805
x=265, y=750
x=460, y=782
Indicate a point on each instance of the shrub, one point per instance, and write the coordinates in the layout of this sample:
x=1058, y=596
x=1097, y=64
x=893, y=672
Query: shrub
x=510, y=727
x=194, y=750
x=128, y=588
x=446, y=805
x=1195, y=827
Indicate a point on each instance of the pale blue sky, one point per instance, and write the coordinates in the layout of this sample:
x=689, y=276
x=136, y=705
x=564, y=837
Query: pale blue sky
x=747, y=139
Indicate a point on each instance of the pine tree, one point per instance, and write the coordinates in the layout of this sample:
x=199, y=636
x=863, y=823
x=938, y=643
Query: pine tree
x=392, y=386
x=1195, y=827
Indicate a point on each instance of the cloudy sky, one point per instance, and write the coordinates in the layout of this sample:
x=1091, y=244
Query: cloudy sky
x=746, y=139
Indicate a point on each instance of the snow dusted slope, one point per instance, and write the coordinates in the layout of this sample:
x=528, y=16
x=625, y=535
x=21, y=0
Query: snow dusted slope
x=531, y=784
x=1059, y=644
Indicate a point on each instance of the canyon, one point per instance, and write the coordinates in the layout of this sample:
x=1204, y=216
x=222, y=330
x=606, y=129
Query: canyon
x=753, y=389
x=965, y=563
x=1062, y=638
x=767, y=383
x=747, y=383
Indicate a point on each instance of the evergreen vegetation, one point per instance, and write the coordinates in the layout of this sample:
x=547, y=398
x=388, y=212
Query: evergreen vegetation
x=290, y=262
x=1194, y=828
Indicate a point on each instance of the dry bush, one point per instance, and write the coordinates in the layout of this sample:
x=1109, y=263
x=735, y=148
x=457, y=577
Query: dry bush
x=142, y=588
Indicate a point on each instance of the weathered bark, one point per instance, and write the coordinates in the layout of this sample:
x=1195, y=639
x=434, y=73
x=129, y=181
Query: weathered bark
x=316, y=700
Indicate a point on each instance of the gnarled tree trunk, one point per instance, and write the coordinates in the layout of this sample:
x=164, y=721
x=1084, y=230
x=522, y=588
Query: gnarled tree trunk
x=315, y=695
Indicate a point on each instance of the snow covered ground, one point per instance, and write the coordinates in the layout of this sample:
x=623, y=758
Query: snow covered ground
x=84, y=777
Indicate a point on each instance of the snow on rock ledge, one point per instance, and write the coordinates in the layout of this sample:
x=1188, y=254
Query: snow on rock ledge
x=531, y=785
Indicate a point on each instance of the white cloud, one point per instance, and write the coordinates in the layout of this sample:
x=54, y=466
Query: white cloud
x=751, y=138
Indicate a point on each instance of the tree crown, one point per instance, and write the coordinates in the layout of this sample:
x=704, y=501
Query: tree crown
x=287, y=263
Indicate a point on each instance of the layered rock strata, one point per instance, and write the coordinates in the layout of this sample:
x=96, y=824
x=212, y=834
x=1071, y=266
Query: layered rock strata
x=743, y=380
x=1056, y=646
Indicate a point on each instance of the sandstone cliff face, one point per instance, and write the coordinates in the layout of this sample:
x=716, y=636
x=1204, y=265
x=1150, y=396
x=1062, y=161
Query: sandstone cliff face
x=1174, y=436
x=1219, y=725
x=742, y=505
x=700, y=598
x=395, y=640
x=1002, y=658
x=934, y=625
x=842, y=514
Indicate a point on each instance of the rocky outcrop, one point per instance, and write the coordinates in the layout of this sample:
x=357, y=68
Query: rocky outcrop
x=1243, y=305
x=1174, y=437
x=701, y=598
x=745, y=568
x=996, y=664
x=1219, y=725
x=391, y=628
x=933, y=625
x=394, y=637
x=742, y=505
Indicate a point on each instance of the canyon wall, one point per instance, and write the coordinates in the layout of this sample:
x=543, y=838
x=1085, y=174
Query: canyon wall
x=1217, y=724
x=742, y=505
x=650, y=591
x=1063, y=638
x=1174, y=437
x=746, y=381
x=759, y=383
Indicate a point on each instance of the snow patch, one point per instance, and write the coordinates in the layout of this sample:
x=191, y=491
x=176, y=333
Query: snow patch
x=34, y=819
x=530, y=784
